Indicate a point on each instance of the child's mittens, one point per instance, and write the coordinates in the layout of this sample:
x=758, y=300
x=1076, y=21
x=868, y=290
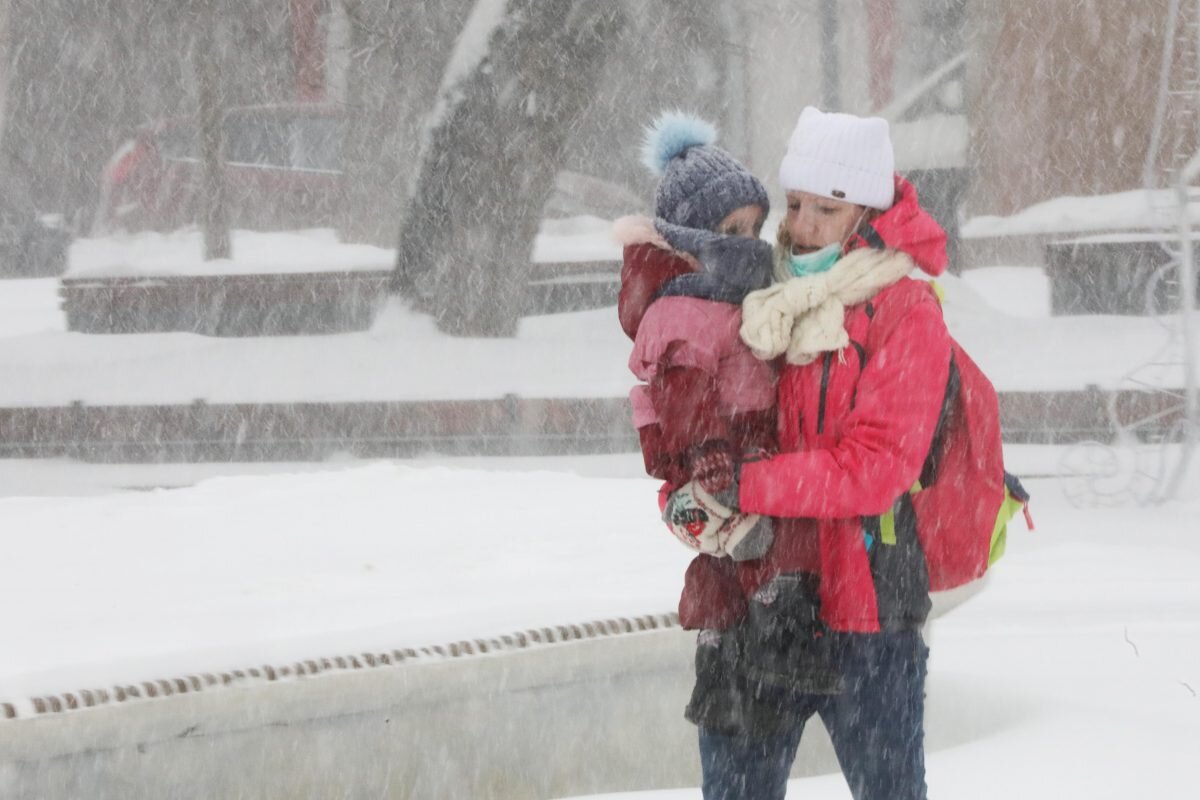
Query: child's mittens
x=749, y=537
x=695, y=518
x=713, y=466
x=703, y=523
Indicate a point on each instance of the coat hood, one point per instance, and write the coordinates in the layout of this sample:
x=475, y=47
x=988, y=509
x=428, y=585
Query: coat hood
x=648, y=264
x=909, y=228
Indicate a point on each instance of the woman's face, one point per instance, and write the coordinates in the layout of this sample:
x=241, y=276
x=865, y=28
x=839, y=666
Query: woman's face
x=745, y=221
x=814, y=222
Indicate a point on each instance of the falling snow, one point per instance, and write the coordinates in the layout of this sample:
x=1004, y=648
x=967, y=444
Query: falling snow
x=309, y=350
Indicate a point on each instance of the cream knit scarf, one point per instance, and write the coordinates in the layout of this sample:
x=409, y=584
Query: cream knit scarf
x=804, y=317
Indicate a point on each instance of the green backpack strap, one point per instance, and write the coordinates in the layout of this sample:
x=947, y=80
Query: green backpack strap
x=882, y=320
x=1015, y=499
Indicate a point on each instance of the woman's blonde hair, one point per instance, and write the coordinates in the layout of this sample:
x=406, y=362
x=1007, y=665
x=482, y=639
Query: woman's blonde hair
x=783, y=238
x=783, y=251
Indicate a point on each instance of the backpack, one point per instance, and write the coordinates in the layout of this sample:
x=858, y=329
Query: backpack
x=964, y=498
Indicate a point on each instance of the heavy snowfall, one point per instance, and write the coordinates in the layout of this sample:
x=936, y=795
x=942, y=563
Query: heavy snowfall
x=318, y=474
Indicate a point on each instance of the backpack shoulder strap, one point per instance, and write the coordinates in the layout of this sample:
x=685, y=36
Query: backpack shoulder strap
x=884, y=316
x=886, y=312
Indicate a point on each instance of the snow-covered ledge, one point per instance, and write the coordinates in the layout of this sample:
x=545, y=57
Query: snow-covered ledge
x=1021, y=238
x=181, y=253
x=597, y=715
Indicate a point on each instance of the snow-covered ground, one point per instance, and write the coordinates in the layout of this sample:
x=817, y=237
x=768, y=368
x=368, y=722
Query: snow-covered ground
x=1000, y=314
x=269, y=569
x=1073, y=674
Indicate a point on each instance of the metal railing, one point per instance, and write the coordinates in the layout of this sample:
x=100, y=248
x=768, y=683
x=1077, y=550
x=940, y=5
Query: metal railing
x=1148, y=461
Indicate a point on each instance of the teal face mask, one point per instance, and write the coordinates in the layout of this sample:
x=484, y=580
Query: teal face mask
x=816, y=262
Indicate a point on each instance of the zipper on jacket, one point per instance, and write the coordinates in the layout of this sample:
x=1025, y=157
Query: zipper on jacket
x=862, y=364
x=825, y=365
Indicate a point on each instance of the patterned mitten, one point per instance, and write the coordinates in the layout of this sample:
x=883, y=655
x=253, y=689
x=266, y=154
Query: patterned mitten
x=712, y=465
x=696, y=518
x=749, y=537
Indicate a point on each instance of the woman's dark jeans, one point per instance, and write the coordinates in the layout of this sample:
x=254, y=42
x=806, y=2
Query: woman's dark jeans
x=876, y=724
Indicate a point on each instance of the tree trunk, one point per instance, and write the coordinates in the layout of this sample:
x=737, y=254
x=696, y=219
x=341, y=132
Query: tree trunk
x=495, y=145
x=214, y=213
x=688, y=54
x=398, y=53
x=831, y=68
x=5, y=66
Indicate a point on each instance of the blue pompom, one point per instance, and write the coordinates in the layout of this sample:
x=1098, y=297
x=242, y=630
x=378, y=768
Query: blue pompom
x=671, y=135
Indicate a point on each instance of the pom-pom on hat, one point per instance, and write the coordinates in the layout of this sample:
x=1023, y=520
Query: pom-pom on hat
x=841, y=156
x=700, y=183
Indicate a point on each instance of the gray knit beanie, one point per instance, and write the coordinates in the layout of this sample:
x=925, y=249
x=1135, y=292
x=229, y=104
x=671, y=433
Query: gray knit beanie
x=700, y=183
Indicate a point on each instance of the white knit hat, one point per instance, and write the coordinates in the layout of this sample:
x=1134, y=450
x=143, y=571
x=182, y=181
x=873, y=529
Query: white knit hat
x=841, y=156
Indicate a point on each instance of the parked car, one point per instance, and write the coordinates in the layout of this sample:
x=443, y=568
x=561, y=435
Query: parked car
x=283, y=169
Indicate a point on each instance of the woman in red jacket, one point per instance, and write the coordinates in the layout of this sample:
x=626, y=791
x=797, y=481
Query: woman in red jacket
x=845, y=581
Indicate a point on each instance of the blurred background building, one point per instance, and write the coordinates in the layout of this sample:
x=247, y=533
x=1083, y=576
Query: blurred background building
x=1059, y=96
x=751, y=66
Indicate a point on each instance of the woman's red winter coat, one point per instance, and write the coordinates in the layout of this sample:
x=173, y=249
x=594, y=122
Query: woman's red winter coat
x=854, y=437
